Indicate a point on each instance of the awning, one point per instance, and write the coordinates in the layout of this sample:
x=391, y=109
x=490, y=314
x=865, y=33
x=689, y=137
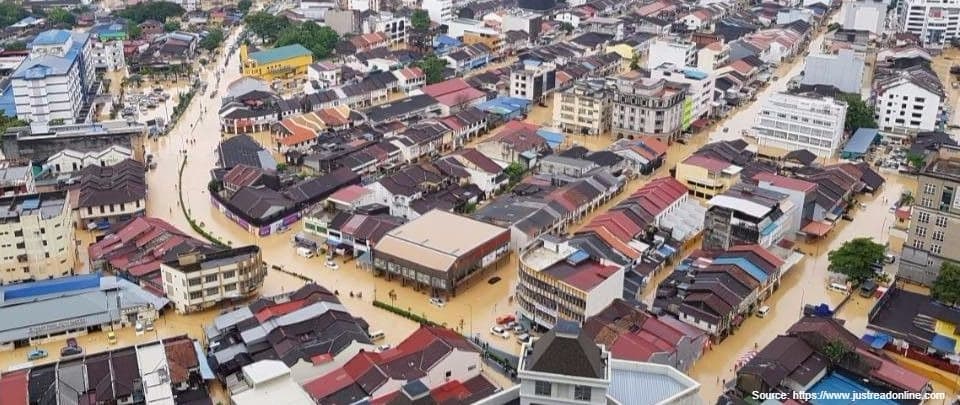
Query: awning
x=943, y=344
x=817, y=228
x=204, y=367
x=701, y=123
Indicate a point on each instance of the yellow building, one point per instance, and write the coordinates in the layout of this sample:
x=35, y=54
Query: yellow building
x=706, y=177
x=285, y=62
x=486, y=36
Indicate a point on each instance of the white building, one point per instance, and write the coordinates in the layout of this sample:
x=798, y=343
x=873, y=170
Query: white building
x=69, y=160
x=56, y=82
x=269, y=381
x=439, y=10
x=535, y=81
x=584, y=108
x=712, y=56
x=700, y=86
x=363, y=5
x=673, y=51
x=936, y=22
x=793, y=122
x=36, y=237
x=108, y=55
x=196, y=281
x=522, y=20
x=561, y=283
x=865, y=15
x=843, y=70
x=396, y=26
x=907, y=100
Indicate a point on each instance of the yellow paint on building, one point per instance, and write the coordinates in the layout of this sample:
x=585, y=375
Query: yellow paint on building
x=287, y=62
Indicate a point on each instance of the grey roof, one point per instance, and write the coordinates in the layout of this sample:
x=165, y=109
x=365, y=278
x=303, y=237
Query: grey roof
x=566, y=351
x=258, y=333
x=60, y=311
x=660, y=384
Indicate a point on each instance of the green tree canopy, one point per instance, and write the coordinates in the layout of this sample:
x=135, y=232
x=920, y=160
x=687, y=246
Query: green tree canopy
x=10, y=13
x=151, y=10
x=213, y=39
x=172, y=25
x=433, y=68
x=14, y=46
x=420, y=20
x=266, y=26
x=946, y=288
x=859, y=114
x=134, y=31
x=514, y=172
x=9, y=122
x=61, y=17
x=319, y=40
x=855, y=258
x=244, y=5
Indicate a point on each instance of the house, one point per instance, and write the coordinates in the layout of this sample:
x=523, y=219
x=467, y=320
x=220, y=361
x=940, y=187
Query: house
x=745, y=215
x=285, y=62
x=454, y=95
x=516, y=142
x=643, y=155
x=112, y=194
x=468, y=58
x=399, y=190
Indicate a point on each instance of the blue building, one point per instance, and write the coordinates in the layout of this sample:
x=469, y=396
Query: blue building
x=507, y=107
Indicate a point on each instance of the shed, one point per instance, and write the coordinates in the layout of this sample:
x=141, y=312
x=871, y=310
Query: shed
x=859, y=143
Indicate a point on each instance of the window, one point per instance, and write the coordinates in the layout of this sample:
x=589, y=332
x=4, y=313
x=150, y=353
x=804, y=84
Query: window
x=210, y=279
x=195, y=295
x=921, y=231
x=581, y=393
x=929, y=189
x=926, y=202
x=938, y=235
x=229, y=274
x=18, y=233
x=212, y=291
x=935, y=249
x=918, y=244
x=194, y=281
x=924, y=217
x=941, y=220
x=230, y=287
x=543, y=388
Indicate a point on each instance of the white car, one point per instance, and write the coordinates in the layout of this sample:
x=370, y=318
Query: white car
x=437, y=301
x=524, y=338
x=332, y=265
x=499, y=331
x=382, y=348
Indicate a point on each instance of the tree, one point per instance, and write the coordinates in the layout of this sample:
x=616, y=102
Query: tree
x=833, y=27
x=10, y=13
x=213, y=39
x=319, y=40
x=859, y=114
x=946, y=288
x=61, y=17
x=266, y=26
x=916, y=160
x=134, y=31
x=244, y=5
x=514, y=172
x=420, y=20
x=635, y=62
x=9, y=122
x=856, y=258
x=15, y=46
x=151, y=10
x=567, y=27
x=836, y=351
x=172, y=25
x=432, y=67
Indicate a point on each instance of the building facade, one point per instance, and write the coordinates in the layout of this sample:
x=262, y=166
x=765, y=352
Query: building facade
x=583, y=109
x=56, y=83
x=749, y=215
x=908, y=100
x=700, y=86
x=397, y=27
x=37, y=237
x=673, y=51
x=285, y=62
x=439, y=10
x=649, y=107
x=197, y=281
x=108, y=55
x=793, y=122
x=534, y=81
x=935, y=220
x=935, y=22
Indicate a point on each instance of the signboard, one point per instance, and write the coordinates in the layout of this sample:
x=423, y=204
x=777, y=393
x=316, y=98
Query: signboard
x=59, y=326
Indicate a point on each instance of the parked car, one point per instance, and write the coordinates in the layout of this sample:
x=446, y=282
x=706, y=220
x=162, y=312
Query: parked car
x=499, y=331
x=524, y=338
x=332, y=265
x=138, y=327
x=502, y=319
x=70, y=351
x=384, y=347
x=148, y=326
x=112, y=338
x=36, y=354
x=437, y=301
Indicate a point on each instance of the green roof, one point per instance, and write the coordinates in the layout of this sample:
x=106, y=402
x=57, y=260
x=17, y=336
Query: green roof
x=277, y=54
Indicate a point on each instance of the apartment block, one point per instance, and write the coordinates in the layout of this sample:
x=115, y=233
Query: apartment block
x=649, y=107
x=935, y=219
x=439, y=10
x=794, y=122
x=396, y=26
x=534, y=81
x=559, y=282
x=748, y=215
x=196, y=281
x=56, y=82
x=936, y=22
x=700, y=86
x=908, y=100
x=36, y=237
x=584, y=108
x=673, y=51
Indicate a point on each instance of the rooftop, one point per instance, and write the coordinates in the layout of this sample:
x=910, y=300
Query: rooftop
x=279, y=54
x=421, y=241
x=199, y=261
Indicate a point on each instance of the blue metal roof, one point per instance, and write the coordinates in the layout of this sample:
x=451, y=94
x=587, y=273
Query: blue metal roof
x=505, y=105
x=554, y=139
x=746, y=265
x=43, y=66
x=45, y=287
x=51, y=37
x=943, y=344
x=861, y=140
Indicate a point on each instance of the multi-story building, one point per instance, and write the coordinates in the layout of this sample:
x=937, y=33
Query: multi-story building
x=522, y=20
x=712, y=56
x=583, y=109
x=673, y=51
x=196, y=281
x=112, y=194
x=486, y=36
x=439, y=10
x=649, y=107
x=865, y=15
x=793, y=122
x=843, y=70
x=700, y=86
x=534, y=81
x=935, y=219
x=748, y=215
x=363, y=5
x=285, y=62
x=396, y=26
x=560, y=282
x=108, y=55
x=37, y=237
x=907, y=100
x=935, y=21
x=56, y=82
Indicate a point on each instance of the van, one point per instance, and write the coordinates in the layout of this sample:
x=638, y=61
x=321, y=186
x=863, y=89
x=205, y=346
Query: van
x=837, y=287
x=377, y=335
x=762, y=312
x=305, y=252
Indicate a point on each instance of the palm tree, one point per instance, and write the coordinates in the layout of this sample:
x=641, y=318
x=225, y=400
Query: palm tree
x=836, y=351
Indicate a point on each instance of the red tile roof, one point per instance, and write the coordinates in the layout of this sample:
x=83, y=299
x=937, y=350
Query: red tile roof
x=181, y=358
x=446, y=87
x=589, y=275
x=461, y=97
x=349, y=194
x=759, y=251
x=712, y=165
x=785, y=182
x=13, y=388
x=275, y=310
